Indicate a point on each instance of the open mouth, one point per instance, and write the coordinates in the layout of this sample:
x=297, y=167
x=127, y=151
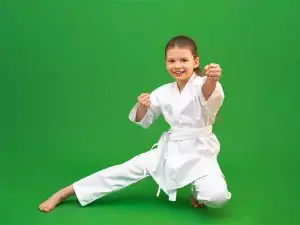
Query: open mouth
x=178, y=73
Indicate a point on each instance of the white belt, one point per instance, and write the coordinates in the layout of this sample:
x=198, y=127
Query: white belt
x=176, y=134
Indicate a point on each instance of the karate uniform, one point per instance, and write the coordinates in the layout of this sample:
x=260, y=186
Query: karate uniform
x=185, y=154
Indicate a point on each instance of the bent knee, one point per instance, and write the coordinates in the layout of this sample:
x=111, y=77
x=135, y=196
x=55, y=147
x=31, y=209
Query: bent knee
x=215, y=199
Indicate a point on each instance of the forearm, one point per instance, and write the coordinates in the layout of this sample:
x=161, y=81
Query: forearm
x=140, y=113
x=208, y=87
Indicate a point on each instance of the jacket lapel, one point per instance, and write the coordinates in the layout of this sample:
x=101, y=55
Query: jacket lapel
x=181, y=100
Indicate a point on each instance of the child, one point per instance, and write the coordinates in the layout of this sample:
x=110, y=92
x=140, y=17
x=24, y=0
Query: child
x=186, y=154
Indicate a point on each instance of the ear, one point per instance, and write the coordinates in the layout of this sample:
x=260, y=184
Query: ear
x=196, y=62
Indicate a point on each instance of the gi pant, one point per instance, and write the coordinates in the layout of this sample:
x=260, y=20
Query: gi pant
x=210, y=190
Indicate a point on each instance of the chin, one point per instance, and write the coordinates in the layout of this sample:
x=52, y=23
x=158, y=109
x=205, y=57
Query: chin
x=184, y=77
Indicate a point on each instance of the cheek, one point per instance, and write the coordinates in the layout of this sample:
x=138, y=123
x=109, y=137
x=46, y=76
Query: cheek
x=168, y=66
x=189, y=66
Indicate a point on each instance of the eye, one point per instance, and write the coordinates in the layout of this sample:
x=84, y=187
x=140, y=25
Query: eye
x=184, y=60
x=171, y=60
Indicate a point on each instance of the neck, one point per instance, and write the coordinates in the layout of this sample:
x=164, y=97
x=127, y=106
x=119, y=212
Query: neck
x=181, y=84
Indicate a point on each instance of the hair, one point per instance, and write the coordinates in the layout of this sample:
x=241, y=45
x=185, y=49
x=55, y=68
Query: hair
x=182, y=41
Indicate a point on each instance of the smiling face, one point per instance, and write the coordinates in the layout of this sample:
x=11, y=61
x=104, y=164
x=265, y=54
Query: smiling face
x=180, y=63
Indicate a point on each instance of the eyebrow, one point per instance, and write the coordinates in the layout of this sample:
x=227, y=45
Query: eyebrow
x=184, y=57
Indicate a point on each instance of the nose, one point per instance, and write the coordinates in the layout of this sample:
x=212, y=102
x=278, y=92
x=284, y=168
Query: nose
x=177, y=65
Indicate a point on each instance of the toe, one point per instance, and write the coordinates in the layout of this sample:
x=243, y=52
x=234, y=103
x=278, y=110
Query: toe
x=41, y=206
x=44, y=206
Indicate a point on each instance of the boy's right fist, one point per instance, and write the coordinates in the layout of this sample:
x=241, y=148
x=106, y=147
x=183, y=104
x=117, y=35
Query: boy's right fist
x=144, y=101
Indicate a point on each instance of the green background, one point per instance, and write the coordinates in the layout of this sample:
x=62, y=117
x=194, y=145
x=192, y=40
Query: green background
x=70, y=71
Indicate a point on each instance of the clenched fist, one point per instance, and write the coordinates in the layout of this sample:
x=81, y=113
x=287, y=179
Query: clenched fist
x=144, y=101
x=213, y=71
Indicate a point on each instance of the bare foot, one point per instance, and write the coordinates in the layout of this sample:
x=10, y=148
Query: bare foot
x=196, y=204
x=56, y=199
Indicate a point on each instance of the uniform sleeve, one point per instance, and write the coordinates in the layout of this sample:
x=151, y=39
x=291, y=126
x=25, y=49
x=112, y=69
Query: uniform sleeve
x=152, y=113
x=214, y=102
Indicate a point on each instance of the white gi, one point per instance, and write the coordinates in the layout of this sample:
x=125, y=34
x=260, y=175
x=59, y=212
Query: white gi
x=186, y=154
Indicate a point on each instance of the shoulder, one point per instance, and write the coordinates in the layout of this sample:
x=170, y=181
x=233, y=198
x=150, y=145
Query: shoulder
x=198, y=81
x=160, y=93
x=162, y=89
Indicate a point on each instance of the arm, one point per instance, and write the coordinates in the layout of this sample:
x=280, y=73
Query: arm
x=213, y=72
x=211, y=93
x=145, y=116
x=208, y=88
x=211, y=96
x=140, y=113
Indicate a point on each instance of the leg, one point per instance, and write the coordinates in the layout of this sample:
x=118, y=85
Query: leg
x=113, y=178
x=195, y=203
x=104, y=182
x=211, y=191
x=56, y=199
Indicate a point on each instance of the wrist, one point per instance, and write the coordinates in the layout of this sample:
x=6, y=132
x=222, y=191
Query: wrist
x=142, y=108
x=212, y=80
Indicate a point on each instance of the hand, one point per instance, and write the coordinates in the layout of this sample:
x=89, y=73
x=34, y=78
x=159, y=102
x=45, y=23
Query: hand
x=144, y=101
x=213, y=71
